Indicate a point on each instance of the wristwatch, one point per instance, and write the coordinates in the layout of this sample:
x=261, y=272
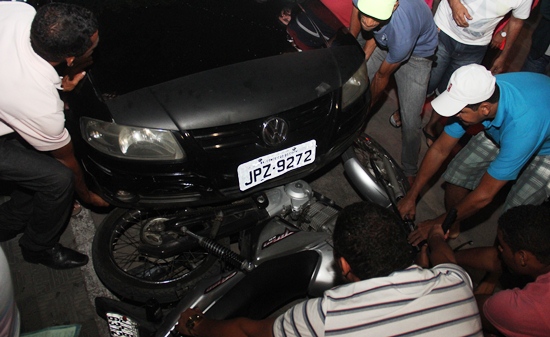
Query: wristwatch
x=192, y=321
x=503, y=34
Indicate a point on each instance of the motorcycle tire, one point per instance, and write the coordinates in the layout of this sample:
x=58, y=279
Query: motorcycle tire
x=132, y=275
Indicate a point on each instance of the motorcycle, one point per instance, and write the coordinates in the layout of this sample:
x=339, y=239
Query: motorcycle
x=249, y=258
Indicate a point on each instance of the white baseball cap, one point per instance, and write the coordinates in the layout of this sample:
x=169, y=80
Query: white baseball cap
x=469, y=84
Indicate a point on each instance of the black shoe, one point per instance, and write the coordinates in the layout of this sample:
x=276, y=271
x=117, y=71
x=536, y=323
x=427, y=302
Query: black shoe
x=57, y=257
x=8, y=234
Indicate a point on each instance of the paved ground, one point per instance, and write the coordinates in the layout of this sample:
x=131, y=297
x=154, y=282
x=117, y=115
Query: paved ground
x=48, y=297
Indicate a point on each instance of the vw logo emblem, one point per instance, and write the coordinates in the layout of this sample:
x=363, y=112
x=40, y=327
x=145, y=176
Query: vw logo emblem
x=274, y=131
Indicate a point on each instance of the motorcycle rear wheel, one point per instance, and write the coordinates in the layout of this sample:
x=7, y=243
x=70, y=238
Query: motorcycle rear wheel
x=121, y=264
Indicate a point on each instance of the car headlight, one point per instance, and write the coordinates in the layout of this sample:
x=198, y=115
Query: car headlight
x=355, y=86
x=130, y=142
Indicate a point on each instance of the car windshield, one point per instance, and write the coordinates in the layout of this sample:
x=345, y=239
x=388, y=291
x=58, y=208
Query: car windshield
x=143, y=44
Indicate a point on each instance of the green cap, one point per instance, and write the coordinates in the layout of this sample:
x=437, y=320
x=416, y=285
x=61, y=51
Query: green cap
x=378, y=9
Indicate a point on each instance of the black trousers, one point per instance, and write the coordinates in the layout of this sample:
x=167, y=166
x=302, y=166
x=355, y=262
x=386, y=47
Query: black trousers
x=41, y=201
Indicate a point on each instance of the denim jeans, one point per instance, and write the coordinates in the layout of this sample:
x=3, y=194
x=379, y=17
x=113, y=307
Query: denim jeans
x=42, y=199
x=449, y=56
x=412, y=80
x=538, y=65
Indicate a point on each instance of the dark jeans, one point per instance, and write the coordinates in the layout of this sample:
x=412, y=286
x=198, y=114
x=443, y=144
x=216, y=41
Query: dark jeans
x=449, y=56
x=43, y=196
x=537, y=65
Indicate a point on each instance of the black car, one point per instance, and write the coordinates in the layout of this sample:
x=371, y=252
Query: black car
x=193, y=102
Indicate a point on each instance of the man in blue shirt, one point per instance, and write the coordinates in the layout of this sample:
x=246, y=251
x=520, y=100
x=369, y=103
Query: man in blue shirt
x=404, y=38
x=514, y=109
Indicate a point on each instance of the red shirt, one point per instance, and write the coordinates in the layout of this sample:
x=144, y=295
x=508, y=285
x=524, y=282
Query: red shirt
x=521, y=312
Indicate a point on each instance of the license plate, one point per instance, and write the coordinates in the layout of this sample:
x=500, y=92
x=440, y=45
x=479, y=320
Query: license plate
x=120, y=325
x=270, y=166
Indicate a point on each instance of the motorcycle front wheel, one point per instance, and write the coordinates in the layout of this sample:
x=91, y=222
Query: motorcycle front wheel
x=132, y=257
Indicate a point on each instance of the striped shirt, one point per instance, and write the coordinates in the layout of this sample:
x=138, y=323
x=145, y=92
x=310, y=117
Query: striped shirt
x=414, y=301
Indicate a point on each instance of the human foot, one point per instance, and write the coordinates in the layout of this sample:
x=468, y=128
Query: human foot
x=395, y=119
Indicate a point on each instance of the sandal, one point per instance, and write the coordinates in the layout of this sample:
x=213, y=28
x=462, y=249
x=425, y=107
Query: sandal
x=396, y=123
x=429, y=138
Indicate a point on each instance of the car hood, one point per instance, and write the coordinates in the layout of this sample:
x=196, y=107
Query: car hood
x=194, y=64
x=239, y=92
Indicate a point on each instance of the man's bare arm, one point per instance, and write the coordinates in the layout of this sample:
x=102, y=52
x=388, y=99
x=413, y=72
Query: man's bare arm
x=513, y=28
x=440, y=252
x=381, y=79
x=470, y=205
x=434, y=158
x=481, y=258
x=238, y=327
x=66, y=156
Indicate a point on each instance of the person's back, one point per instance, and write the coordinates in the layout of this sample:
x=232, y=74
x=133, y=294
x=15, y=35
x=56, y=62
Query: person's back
x=29, y=98
x=385, y=295
x=521, y=312
x=389, y=306
x=412, y=29
x=389, y=295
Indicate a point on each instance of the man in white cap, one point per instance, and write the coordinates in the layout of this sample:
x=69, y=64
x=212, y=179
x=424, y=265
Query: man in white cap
x=404, y=38
x=514, y=109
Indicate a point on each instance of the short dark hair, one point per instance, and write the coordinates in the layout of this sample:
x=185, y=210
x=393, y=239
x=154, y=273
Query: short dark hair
x=527, y=227
x=493, y=99
x=62, y=30
x=372, y=240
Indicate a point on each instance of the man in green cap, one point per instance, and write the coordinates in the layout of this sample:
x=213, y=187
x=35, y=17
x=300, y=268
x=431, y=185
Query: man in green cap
x=403, y=38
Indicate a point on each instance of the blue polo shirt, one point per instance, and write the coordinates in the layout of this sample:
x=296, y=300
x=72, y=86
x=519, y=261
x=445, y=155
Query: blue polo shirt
x=521, y=126
x=410, y=31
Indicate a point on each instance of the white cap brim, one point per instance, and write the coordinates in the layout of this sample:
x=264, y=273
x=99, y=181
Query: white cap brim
x=447, y=106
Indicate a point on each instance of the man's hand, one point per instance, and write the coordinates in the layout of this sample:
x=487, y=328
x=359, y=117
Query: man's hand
x=460, y=13
x=192, y=323
x=407, y=207
x=436, y=230
x=75, y=72
x=421, y=232
x=498, y=65
x=69, y=84
x=185, y=317
x=92, y=198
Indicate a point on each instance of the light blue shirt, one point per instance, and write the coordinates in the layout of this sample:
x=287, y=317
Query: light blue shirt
x=521, y=126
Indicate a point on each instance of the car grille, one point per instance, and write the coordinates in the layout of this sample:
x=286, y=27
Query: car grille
x=242, y=135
